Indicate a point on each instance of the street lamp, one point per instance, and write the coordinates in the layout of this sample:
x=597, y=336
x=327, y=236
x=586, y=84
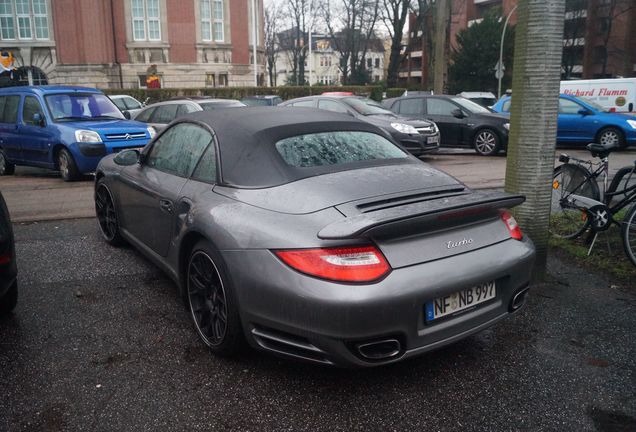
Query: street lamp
x=500, y=66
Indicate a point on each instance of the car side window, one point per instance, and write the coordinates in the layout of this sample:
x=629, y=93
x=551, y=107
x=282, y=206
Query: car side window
x=331, y=106
x=278, y=101
x=119, y=103
x=145, y=115
x=179, y=149
x=185, y=109
x=131, y=103
x=31, y=107
x=164, y=114
x=206, y=169
x=436, y=106
x=10, y=114
x=411, y=107
x=307, y=103
x=568, y=107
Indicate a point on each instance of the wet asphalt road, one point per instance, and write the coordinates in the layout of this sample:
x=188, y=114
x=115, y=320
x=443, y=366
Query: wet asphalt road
x=101, y=341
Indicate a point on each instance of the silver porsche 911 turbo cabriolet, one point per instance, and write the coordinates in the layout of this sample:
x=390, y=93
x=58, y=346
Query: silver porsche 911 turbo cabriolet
x=313, y=235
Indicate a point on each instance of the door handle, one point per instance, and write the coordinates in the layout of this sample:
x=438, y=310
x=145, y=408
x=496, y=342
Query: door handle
x=165, y=205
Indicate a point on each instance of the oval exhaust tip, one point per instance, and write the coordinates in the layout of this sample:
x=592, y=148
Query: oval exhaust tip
x=380, y=350
x=519, y=299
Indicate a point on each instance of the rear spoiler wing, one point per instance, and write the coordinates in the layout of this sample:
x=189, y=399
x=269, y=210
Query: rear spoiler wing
x=455, y=207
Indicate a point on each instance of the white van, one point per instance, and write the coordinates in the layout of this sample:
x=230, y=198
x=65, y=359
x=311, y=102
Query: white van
x=615, y=94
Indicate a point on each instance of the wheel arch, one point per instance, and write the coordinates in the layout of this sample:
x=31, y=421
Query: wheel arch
x=55, y=150
x=189, y=240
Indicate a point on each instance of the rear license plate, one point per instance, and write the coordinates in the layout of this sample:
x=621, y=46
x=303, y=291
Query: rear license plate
x=432, y=140
x=460, y=300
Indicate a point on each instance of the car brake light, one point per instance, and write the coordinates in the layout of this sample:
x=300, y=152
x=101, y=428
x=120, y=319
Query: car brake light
x=512, y=225
x=343, y=264
x=5, y=258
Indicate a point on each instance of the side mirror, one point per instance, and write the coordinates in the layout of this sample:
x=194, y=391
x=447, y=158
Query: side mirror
x=127, y=158
x=39, y=120
x=584, y=112
x=127, y=114
x=458, y=113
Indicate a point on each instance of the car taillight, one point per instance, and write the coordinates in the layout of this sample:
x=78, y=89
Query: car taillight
x=342, y=264
x=5, y=258
x=512, y=225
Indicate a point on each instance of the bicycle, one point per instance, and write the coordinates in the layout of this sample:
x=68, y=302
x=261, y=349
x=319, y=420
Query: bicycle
x=578, y=204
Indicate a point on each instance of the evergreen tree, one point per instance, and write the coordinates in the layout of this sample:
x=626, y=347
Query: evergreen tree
x=477, y=53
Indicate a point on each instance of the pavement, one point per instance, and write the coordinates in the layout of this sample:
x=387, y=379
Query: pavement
x=34, y=194
x=100, y=341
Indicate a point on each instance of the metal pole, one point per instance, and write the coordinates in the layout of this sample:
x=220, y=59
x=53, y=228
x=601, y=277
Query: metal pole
x=254, y=39
x=311, y=29
x=503, y=35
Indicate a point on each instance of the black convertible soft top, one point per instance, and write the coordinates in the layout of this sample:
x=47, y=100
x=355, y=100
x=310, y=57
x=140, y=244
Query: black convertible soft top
x=247, y=138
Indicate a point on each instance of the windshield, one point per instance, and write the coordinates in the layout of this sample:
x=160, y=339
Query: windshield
x=366, y=106
x=82, y=106
x=256, y=102
x=210, y=106
x=471, y=106
x=594, y=105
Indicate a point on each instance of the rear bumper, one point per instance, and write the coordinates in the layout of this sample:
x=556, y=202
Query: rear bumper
x=294, y=315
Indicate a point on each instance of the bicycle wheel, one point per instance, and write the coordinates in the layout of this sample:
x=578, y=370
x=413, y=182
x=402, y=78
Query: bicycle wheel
x=567, y=221
x=628, y=234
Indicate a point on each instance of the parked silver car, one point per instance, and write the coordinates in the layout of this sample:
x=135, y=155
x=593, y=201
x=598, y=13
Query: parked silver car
x=158, y=115
x=128, y=105
x=312, y=235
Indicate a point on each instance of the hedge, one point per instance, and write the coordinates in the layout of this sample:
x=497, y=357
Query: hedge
x=395, y=92
x=285, y=92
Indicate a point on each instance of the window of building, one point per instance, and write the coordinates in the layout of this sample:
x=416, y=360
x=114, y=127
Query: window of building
x=210, y=80
x=31, y=17
x=377, y=62
x=369, y=63
x=222, y=80
x=146, y=20
x=212, y=20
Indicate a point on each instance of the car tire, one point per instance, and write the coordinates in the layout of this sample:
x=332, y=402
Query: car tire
x=67, y=166
x=212, y=302
x=6, y=167
x=9, y=300
x=107, y=215
x=610, y=135
x=486, y=142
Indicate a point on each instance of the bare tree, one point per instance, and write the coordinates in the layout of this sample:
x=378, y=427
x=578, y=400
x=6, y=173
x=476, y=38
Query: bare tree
x=351, y=26
x=272, y=24
x=394, y=16
x=533, y=119
x=295, y=40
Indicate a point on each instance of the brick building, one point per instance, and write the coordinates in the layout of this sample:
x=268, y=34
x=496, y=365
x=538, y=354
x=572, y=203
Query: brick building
x=111, y=43
x=599, y=38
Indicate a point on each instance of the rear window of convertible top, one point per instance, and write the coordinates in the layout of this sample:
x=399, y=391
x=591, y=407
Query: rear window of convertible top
x=336, y=148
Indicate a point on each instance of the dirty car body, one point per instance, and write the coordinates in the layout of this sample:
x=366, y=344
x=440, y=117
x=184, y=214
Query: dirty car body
x=326, y=241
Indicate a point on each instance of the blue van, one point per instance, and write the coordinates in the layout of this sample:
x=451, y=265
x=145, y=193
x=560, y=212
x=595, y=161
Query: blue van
x=63, y=128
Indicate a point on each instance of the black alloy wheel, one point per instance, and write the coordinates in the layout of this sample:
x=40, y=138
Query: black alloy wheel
x=206, y=296
x=211, y=302
x=106, y=215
